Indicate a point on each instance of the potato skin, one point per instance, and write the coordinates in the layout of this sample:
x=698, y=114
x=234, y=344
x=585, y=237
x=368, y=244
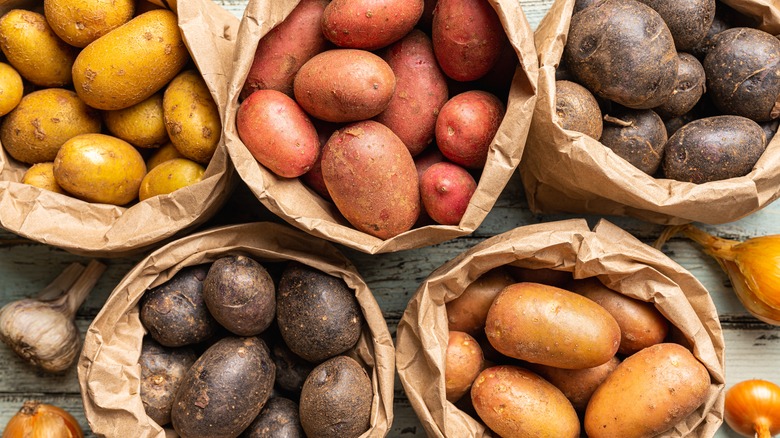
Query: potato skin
x=283, y=50
x=577, y=109
x=557, y=328
x=79, y=22
x=466, y=126
x=641, y=324
x=142, y=125
x=164, y=153
x=100, y=168
x=317, y=314
x=42, y=121
x=446, y=190
x=291, y=369
x=654, y=390
x=641, y=143
x=162, y=370
x=372, y=179
x=623, y=64
x=463, y=362
x=732, y=81
x=41, y=175
x=468, y=312
x=224, y=390
x=690, y=86
x=34, y=50
x=369, y=24
x=420, y=91
x=467, y=38
x=688, y=22
x=170, y=176
x=11, y=88
x=191, y=116
x=336, y=399
x=713, y=149
x=578, y=385
x=240, y=294
x=344, y=85
x=278, y=419
x=278, y=133
x=131, y=62
x=515, y=402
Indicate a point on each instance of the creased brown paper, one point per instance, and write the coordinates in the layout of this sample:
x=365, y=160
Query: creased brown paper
x=108, y=370
x=298, y=205
x=619, y=260
x=104, y=230
x=566, y=171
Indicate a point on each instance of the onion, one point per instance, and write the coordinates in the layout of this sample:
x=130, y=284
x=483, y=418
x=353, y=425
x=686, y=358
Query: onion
x=39, y=420
x=753, y=408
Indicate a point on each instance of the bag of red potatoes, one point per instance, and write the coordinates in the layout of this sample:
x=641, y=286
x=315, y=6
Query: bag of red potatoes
x=566, y=171
x=117, y=227
x=364, y=198
x=109, y=370
x=506, y=291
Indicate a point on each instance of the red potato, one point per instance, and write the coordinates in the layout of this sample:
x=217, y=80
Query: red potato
x=446, y=190
x=372, y=179
x=313, y=178
x=344, y=85
x=428, y=158
x=466, y=126
x=278, y=133
x=283, y=50
x=463, y=363
x=420, y=91
x=467, y=38
x=369, y=24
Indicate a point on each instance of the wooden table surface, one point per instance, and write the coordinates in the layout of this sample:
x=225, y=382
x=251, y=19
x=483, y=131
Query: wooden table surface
x=752, y=348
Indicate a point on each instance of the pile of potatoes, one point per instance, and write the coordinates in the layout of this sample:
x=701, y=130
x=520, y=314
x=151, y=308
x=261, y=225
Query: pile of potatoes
x=239, y=348
x=688, y=91
x=388, y=112
x=532, y=352
x=102, y=101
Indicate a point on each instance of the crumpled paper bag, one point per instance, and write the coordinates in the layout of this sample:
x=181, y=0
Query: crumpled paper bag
x=103, y=230
x=619, y=260
x=108, y=370
x=566, y=171
x=294, y=202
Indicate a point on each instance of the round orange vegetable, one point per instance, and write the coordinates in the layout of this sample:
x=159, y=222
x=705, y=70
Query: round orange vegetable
x=753, y=408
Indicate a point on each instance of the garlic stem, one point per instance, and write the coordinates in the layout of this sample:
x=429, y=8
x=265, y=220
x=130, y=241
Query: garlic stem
x=82, y=287
x=62, y=283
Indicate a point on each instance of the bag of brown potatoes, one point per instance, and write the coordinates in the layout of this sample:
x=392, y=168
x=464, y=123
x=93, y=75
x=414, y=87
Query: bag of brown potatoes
x=378, y=207
x=502, y=339
x=612, y=168
x=62, y=197
x=231, y=320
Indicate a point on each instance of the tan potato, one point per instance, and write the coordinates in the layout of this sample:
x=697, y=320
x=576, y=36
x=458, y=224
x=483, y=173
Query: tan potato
x=514, y=402
x=578, y=385
x=130, y=63
x=141, y=125
x=551, y=326
x=166, y=152
x=11, y=88
x=79, y=22
x=170, y=176
x=372, y=179
x=366, y=24
x=191, y=117
x=43, y=121
x=344, y=85
x=34, y=50
x=463, y=363
x=641, y=324
x=99, y=168
x=468, y=312
x=648, y=393
x=41, y=175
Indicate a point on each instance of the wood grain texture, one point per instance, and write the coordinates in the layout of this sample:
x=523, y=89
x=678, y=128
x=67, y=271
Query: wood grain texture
x=753, y=348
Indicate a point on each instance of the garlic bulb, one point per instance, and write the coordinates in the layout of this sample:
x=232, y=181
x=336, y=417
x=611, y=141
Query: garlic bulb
x=42, y=330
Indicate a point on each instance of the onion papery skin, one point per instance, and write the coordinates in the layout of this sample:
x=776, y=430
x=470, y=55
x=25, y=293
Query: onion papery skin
x=752, y=408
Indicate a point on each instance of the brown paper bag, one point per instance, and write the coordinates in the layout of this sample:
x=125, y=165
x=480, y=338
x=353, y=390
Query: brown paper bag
x=108, y=370
x=111, y=231
x=566, y=171
x=297, y=204
x=619, y=260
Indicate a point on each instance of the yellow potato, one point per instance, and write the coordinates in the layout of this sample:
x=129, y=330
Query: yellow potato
x=192, y=117
x=79, y=22
x=463, y=363
x=170, y=176
x=43, y=121
x=11, y=88
x=130, y=63
x=41, y=175
x=166, y=152
x=100, y=168
x=34, y=50
x=141, y=125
